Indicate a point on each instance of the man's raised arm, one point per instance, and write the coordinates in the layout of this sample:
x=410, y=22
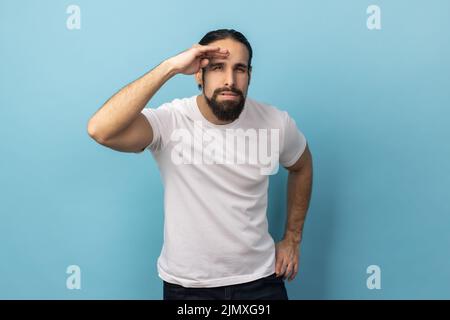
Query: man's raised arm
x=119, y=124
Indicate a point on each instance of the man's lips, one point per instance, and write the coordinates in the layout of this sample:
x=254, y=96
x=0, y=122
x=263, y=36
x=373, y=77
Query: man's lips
x=228, y=93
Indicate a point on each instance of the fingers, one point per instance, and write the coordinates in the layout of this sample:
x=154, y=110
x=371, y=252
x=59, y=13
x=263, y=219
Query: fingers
x=211, y=52
x=285, y=269
x=204, y=63
x=278, y=265
x=213, y=56
x=289, y=270
x=209, y=48
x=294, y=273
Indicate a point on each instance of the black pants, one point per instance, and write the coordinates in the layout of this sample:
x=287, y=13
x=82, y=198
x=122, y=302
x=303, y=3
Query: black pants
x=267, y=288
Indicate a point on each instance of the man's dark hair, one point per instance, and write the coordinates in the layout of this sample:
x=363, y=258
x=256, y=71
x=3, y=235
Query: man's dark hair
x=221, y=34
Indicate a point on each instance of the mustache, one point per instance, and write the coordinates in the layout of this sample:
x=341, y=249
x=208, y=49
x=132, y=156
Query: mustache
x=236, y=91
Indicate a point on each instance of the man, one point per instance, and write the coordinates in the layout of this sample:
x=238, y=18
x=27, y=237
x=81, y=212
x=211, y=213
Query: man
x=212, y=151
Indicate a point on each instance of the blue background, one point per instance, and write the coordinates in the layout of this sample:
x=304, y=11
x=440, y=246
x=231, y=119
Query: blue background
x=373, y=104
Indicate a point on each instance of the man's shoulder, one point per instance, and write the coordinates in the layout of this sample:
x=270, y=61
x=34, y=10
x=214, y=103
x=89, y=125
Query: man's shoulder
x=265, y=109
x=177, y=108
x=176, y=104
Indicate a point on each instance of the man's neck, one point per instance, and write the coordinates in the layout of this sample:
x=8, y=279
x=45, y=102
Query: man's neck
x=207, y=112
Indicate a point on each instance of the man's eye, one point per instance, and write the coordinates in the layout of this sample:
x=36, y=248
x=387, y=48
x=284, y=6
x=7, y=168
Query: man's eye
x=216, y=67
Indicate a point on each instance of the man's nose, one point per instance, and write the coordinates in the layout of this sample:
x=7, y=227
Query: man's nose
x=229, y=79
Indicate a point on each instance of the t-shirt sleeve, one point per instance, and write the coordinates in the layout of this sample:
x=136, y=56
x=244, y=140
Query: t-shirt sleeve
x=294, y=142
x=160, y=119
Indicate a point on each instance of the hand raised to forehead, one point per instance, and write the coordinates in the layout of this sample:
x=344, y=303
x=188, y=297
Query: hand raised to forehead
x=198, y=56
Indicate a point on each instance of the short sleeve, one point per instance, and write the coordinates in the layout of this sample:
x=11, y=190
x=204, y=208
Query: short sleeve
x=160, y=119
x=293, y=143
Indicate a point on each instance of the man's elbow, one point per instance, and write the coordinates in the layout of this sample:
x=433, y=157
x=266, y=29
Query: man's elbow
x=94, y=133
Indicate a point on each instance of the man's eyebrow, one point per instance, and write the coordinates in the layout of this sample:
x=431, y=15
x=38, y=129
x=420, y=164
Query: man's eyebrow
x=239, y=64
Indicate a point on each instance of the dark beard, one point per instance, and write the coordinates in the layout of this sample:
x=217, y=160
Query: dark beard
x=226, y=110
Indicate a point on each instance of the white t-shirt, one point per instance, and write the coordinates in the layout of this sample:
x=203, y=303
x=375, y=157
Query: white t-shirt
x=215, y=190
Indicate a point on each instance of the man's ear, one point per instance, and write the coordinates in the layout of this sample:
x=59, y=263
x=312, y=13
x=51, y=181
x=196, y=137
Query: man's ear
x=198, y=77
x=249, y=74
